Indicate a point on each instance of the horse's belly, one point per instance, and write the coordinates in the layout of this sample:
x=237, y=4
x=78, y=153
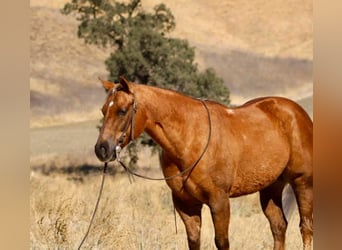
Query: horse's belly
x=257, y=170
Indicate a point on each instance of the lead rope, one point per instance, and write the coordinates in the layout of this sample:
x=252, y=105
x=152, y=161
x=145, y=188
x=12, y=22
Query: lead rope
x=175, y=218
x=96, y=205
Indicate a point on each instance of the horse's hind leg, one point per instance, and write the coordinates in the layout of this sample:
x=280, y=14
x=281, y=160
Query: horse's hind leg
x=191, y=216
x=303, y=189
x=270, y=199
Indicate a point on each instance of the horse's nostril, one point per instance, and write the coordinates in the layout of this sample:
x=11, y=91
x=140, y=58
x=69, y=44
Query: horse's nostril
x=105, y=150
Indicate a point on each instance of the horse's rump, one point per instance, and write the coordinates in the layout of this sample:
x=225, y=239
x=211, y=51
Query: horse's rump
x=268, y=132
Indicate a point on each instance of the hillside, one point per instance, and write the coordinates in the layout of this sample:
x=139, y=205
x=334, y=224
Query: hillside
x=258, y=48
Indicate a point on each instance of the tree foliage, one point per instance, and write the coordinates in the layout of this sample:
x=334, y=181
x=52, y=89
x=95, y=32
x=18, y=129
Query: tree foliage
x=142, y=50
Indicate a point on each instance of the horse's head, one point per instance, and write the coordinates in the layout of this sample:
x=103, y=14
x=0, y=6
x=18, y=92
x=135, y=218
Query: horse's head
x=119, y=116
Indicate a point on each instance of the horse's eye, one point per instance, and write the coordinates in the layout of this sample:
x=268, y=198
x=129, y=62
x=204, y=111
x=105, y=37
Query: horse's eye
x=122, y=112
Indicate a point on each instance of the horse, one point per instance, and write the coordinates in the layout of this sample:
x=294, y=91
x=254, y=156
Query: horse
x=211, y=152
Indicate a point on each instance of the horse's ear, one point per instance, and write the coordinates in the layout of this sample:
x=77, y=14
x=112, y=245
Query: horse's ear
x=107, y=84
x=124, y=84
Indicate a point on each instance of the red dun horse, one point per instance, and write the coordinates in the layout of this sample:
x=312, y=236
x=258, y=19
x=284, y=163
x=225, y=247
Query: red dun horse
x=259, y=146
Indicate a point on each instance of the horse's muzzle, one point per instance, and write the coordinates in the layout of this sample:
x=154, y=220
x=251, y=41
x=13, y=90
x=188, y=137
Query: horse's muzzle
x=105, y=150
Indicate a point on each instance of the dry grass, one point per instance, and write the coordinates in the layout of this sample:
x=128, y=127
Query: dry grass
x=131, y=216
x=269, y=28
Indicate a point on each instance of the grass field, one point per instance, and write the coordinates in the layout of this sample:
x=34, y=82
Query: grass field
x=132, y=216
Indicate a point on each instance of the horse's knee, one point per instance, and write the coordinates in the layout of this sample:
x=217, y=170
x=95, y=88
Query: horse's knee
x=194, y=235
x=222, y=243
x=194, y=240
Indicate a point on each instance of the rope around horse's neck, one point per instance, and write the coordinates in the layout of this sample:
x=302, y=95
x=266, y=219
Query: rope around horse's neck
x=189, y=169
x=96, y=205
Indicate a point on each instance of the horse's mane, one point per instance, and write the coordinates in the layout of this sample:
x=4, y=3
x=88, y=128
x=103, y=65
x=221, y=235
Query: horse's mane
x=178, y=93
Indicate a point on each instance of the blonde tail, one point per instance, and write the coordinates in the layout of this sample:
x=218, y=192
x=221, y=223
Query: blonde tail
x=288, y=202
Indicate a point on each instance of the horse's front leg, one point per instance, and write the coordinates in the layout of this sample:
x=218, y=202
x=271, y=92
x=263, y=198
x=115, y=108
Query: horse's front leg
x=190, y=212
x=220, y=212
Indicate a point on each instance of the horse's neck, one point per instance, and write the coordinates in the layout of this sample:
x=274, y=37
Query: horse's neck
x=169, y=121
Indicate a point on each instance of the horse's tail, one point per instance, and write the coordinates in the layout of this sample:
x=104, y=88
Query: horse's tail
x=288, y=201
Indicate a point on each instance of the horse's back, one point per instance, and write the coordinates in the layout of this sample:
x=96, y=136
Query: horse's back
x=288, y=113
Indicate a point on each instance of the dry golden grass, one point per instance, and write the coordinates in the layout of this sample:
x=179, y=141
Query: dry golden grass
x=66, y=118
x=273, y=28
x=132, y=216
